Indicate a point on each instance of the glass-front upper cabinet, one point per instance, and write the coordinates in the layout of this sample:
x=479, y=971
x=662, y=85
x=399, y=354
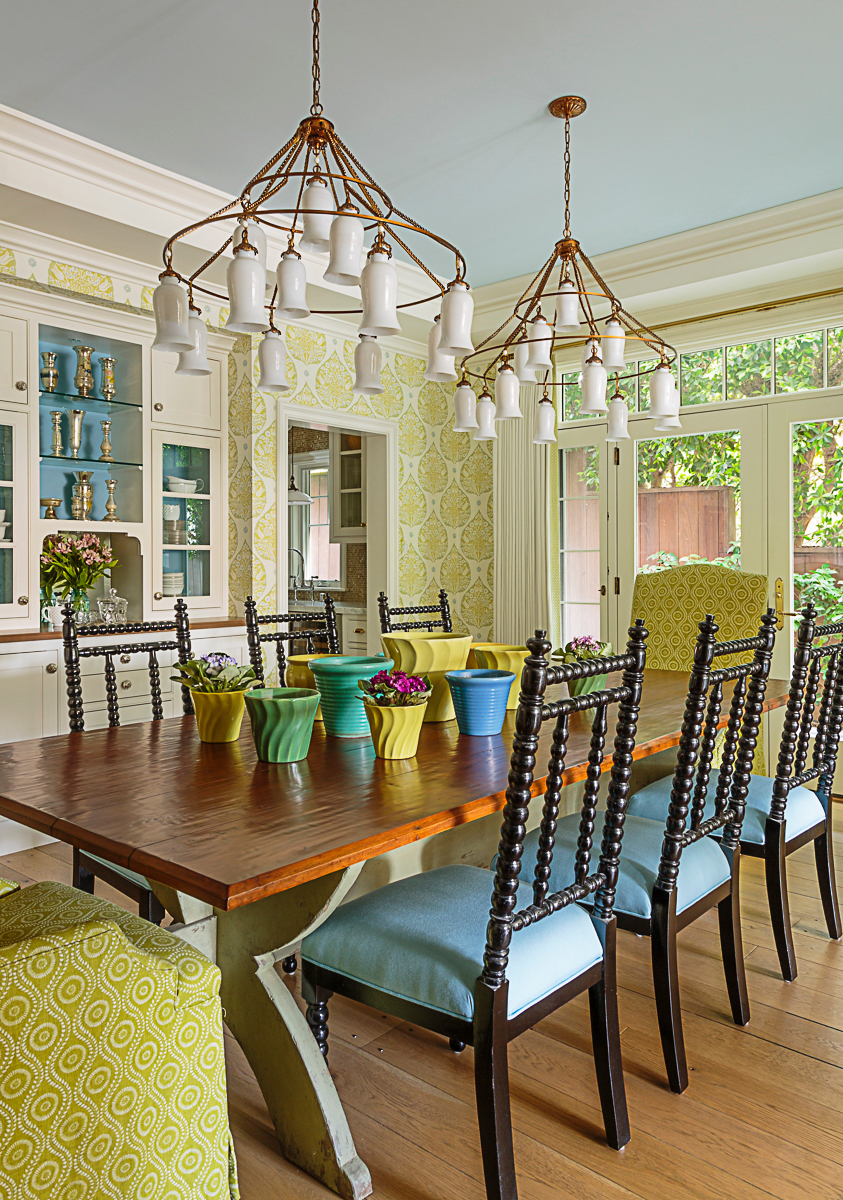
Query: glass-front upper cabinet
x=15, y=601
x=347, y=485
x=187, y=537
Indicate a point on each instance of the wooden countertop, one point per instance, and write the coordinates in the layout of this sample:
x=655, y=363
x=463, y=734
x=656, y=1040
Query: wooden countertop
x=55, y=635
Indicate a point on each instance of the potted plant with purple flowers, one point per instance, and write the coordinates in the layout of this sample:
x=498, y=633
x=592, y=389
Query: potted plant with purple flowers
x=395, y=705
x=582, y=649
x=217, y=686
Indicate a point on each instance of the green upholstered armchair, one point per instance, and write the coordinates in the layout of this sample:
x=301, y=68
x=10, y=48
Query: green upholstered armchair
x=112, y=1075
x=673, y=602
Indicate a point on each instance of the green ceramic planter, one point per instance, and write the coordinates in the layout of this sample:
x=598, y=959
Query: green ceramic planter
x=584, y=687
x=282, y=722
x=341, y=700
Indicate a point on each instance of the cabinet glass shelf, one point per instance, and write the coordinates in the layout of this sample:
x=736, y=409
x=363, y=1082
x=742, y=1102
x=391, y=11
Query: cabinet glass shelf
x=89, y=403
x=85, y=463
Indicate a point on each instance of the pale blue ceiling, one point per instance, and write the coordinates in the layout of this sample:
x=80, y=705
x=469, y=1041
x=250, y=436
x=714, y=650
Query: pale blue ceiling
x=696, y=111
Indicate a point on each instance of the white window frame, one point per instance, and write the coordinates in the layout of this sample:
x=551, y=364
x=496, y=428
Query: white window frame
x=300, y=514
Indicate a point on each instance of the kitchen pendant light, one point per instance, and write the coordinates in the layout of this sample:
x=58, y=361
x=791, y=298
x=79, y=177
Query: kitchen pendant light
x=317, y=191
x=294, y=494
x=569, y=287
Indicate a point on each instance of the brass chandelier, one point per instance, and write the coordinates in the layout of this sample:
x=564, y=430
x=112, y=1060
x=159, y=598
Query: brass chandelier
x=331, y=204
x=557, y=308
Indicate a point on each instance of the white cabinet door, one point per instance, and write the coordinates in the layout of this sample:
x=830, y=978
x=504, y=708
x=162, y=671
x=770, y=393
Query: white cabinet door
x=192, y=401
x=16, y=602
x=13, y=360
x=29, y=694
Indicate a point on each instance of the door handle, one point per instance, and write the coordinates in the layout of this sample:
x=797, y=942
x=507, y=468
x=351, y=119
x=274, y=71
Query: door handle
x=603, y=590
x=780, y=612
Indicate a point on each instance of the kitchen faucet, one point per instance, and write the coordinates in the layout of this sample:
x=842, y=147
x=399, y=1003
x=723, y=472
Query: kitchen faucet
x=294, y=579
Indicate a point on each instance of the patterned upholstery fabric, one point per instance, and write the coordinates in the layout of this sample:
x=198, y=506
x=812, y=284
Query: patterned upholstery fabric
x=673, y=603
x=112, y=1076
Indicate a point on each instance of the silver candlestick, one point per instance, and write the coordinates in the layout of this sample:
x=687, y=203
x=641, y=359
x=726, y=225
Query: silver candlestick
x=76, y=417
x=105, y=448
x=110, y=505
x=56, y=419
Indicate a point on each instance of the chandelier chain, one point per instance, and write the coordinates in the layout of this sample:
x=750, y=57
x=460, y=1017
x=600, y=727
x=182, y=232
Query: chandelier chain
x=567, y=177
x=316, y=107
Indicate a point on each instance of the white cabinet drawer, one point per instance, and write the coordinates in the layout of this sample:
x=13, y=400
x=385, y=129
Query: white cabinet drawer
x=355, y=638
x=132, y=677
x=130, y=714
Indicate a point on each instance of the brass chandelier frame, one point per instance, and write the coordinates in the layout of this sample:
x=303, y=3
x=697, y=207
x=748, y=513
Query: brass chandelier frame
x=572, y=262
x=315, y=150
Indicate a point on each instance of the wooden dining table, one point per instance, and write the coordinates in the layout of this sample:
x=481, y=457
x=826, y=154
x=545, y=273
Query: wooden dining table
x=250, y=857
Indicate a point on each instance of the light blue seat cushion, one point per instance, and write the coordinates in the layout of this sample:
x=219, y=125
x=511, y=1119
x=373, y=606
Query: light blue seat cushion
x=803, y=808
x=703, y=866
x=423, y=939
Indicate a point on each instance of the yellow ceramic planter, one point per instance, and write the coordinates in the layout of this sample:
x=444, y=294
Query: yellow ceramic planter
x=219, y=715
x=498, y=656
x=395, y=731
x=431, y=654
x=299, y=674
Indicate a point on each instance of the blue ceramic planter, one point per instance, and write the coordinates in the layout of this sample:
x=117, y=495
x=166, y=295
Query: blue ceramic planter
x=341, y=700
x=480, y=699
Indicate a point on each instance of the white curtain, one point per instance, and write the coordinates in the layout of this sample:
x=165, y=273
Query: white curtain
x=526, y=491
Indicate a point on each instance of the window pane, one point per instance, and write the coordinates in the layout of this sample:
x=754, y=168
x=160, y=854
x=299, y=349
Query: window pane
x=799, y=362
x=647, y=366
x=580, y=620
x=573, y=396
x=702, y=377
x=689, y=500
x=748, y=370
x=835, y=357
x=818, y=517
x=579, y=526
x=627, y=384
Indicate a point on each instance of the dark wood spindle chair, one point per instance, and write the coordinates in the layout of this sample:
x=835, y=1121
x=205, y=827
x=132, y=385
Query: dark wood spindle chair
x=415, y=948
x=442, y=622
x=315, y=626
x=781, y=813
x=673, y=870
x=88, y=867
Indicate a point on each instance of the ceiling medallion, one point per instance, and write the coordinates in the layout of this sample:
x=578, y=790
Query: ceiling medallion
x=331, y=204
x=556, y=308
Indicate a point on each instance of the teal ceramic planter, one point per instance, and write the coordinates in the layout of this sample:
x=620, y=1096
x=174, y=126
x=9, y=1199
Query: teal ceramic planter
x=341, y=700
x=480, y=698
x=282, y=722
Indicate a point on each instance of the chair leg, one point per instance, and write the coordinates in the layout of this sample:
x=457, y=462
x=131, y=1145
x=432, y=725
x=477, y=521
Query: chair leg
x=491, y=1086
x=666, y=987
x=606, y=1040
x=824, y=854
x=776, y=873
x=731, y=947
x=316, y=1014
x=456, y=1045
x=82, y=879
x=151, y=908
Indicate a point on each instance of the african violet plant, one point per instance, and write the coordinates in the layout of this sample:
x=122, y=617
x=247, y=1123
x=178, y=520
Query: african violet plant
x=398, y=690
x=584, y=647
x=215, y=673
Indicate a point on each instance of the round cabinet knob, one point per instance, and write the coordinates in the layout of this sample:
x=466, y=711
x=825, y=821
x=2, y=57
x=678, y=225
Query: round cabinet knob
x=51, y=668
x=23, y=600
x=126, y=684
x=125, y=658
x=21, y=385
x=158, y=407
x=158, y=596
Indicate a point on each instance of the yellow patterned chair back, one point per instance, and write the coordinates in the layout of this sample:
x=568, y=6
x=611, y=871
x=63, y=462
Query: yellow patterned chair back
x=111, y=1055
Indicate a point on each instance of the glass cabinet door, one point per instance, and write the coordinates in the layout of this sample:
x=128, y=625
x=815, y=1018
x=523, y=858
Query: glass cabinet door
x=15, y=601
x=347, y=487
x=187, y=558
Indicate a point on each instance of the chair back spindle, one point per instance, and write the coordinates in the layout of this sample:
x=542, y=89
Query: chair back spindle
x=532, y=711
x=443, y=621
x=316, y=626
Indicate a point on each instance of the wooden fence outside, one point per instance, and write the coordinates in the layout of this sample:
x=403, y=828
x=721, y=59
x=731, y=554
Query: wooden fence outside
x=685, y=520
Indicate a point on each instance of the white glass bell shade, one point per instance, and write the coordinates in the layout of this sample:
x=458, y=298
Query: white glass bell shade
x=540, y=340
x=663, y=397
x=272, y=360
x=295, y=496
x=291, y=279
x=614, y=338
x=440, y=367
x=524, y=373
x=486, y=431
x=667, y=424
x=195, y=361
x=346, y=244
x=316, y=226
x=367, y=367
x=594, y=379
x=618, y=419
x=465, y=409
x=568, y=308
x=456, y=315
x=255, y=236
x=379, y=291
x=246, y=280
x=590, y=349
x=545, y=429
x=169, y=304
x=507, y=389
